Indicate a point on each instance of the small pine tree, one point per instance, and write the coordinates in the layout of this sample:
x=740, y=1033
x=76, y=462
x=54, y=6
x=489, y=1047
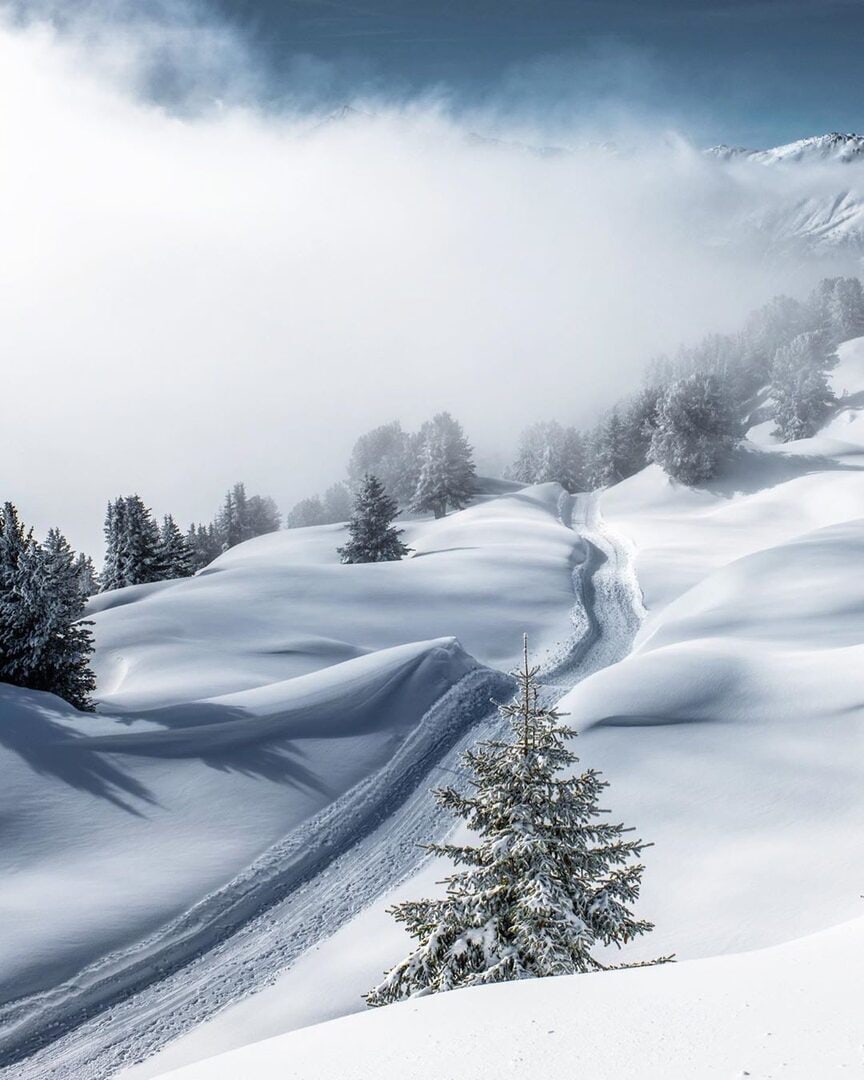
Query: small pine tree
x=549, y=880
x=372, y=535
x=799, y=386
x=447, y=475
x=695, y=428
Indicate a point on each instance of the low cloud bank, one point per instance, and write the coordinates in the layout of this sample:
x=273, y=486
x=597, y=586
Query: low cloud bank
x=188, y=301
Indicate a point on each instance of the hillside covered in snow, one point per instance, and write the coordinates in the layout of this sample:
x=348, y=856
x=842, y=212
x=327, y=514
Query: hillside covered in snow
x=732, y=737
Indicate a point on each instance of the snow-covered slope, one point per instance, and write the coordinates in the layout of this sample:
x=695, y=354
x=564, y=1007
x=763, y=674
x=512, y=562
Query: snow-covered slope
x=833, y=147
x=733, y=738
x=791, y=1012
x=255, y=723
x=813, y=203
x=282, y=605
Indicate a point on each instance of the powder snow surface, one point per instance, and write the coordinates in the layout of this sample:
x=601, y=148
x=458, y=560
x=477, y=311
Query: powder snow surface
x=238, y=704
x=733, y=737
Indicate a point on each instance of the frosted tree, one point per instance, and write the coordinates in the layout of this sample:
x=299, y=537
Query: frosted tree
x=337, y=503
x=608, y=451
x=373, y=537
x=695, y=428
x=549, y=881
x=131, y=544
x=173, y=554
x=63, y=665
x=88, y=579
x=305, y=513
x=204, y=545
x=262, y=517
x=799, y=386
x=447, y=475
x=21, y=599
x=639, y=421
x=113, y=569
x=45, y=644
x=837, y=306
x=392, y=455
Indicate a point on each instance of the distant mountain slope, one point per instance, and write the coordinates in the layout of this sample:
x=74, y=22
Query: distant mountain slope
x=834, y=147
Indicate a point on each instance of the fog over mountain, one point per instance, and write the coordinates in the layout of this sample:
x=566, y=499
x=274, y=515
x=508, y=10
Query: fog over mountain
x=238, y=293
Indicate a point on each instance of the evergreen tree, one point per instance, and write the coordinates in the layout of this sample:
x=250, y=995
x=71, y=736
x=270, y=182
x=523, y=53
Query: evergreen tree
x=372, y=535
x=115, y=527
x=132, y=545
x=548, y=882
x=305, y=513
x=695, y=428
x=262, y=516
x=88, y=579
x=22, y=638
x=608, y=451
x=45, y=644
x=63, y=666
x=174, y=555
x=640, y=419
x=799, y=386
x=447, y=475
x=837, y=306
x=204, y=545
x=390, y=454
x=550, y=452
x=574, y=462
x=337, y=504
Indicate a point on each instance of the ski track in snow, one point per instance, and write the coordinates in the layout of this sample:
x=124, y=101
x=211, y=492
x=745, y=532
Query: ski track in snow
x=302, y=890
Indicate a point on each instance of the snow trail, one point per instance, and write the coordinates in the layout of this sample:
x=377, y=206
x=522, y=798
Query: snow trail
x=242, y=937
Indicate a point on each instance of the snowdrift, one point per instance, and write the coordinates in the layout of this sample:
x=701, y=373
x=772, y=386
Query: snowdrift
x=281, y=605
x=254, y=723
x=780, y=1012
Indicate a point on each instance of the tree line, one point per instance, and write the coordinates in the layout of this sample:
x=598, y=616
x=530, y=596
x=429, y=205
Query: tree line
x=696, y=406
x=428, y=471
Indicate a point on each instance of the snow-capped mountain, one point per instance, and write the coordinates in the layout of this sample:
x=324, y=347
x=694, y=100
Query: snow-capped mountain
x=834, y=147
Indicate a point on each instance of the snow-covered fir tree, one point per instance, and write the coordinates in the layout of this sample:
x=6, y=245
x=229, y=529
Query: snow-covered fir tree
x=174, y=555
x=262, y=516
x=131, y=545
x=64, y=662
x=372, y=535
x=695, y=428
x=392, y=455
x=88, y=579
x=837, y=305
x=549, y=881
x=204, y=544
x=447, y=476
x=799, y=386
x=608, y=451
x=45, y=644
x=21, y=599
x=337, y=503
x=550, y=452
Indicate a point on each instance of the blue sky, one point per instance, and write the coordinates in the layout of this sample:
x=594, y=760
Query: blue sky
x=753, y=72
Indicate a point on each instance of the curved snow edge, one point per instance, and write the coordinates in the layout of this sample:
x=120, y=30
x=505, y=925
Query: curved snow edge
x=36, y=1021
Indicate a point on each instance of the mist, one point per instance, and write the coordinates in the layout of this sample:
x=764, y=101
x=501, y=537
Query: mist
x=236, y=294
